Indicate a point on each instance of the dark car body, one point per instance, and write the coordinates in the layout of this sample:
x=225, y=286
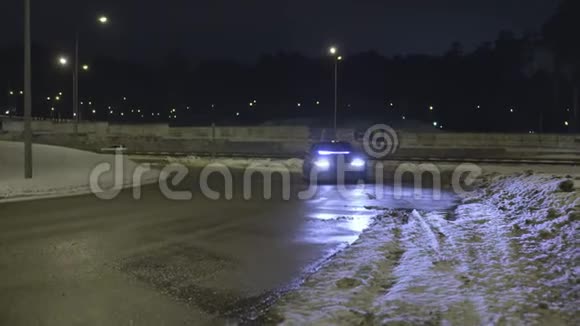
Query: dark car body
x=334, y=161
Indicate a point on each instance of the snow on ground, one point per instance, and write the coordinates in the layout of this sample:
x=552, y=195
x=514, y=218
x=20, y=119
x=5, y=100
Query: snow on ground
x=292, y=165
x=509, y=254
x=57, y=171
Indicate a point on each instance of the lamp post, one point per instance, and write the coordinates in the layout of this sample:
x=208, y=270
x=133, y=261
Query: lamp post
x=334, y=53
x=77, y=115
x=27, y=94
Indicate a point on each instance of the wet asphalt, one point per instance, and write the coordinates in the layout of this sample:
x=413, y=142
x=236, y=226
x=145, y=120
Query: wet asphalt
x=154, y=261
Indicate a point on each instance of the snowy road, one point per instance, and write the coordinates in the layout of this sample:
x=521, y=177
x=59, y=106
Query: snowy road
x=81, y=260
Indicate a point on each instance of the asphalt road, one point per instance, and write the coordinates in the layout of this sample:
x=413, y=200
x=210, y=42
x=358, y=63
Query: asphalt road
x=85, y=261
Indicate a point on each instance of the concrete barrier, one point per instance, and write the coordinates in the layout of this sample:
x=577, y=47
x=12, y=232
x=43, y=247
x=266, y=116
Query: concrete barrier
x=282, y=140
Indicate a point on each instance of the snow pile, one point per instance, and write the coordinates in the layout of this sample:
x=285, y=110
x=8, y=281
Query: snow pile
x=509, y=254
x=292, y=165
x=542, y=212
x=57, y=171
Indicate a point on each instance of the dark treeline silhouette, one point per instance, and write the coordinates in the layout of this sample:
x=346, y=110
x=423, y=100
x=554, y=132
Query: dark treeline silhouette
x=516, y=83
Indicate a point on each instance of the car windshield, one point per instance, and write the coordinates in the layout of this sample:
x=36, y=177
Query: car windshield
x=332, y=148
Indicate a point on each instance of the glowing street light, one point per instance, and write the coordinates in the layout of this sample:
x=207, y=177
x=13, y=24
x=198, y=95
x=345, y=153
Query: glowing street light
x=566, y=123
x=103, y=19
x=435, y=123
x=11, y=92
x=63, y=61
x=431, y=108
x=85, y=67
x=334, y=52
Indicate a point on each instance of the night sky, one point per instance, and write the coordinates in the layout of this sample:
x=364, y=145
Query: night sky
x=145, y=31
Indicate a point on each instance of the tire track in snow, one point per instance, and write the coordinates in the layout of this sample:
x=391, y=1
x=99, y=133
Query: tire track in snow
x=428, y=288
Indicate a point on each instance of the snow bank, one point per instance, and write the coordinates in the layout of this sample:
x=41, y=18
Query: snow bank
x=509, y=254
x=57, y=171
x=292, y=165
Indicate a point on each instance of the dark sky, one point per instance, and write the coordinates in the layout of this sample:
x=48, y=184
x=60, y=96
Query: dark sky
x=146, y=30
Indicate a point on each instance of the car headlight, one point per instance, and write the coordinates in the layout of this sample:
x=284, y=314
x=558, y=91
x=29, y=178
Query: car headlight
x=322, y=163
x=357, y=162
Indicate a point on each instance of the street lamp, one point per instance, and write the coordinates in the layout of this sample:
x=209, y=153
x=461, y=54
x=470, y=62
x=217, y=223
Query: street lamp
x=103, y=20
x=27, y=95
x=333, y=52
x=63, y=61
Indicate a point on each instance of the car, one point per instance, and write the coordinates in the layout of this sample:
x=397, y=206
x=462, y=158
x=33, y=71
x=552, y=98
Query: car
x=335, y=160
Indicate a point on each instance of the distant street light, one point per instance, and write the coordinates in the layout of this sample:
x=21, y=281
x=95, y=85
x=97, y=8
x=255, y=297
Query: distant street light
x=63, y=61
x=103, y=19
x=85, y=67
x=333, y=52
x=566, y=123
